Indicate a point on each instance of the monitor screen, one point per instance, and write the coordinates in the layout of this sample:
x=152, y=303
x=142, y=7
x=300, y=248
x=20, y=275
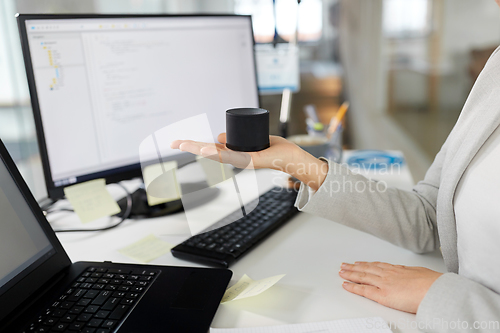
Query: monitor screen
x=23, y=242
x=103, y=84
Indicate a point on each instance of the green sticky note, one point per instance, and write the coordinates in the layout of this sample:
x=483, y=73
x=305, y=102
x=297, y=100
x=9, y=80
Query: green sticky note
x=91, y=200
x=246, y=287
x=146, y=249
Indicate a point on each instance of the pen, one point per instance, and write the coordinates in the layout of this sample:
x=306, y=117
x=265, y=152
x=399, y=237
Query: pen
x=337, y=119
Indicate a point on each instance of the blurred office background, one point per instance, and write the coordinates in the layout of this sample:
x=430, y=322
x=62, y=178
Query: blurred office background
x=406, y=66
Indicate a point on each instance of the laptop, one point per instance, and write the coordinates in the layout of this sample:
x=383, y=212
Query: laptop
x=42, y=291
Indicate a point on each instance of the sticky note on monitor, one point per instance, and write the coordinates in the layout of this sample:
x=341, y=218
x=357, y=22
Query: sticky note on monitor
x=246, y=287
x=91, y=200
x=146, y=249
x=215, y=172
x=161, y=182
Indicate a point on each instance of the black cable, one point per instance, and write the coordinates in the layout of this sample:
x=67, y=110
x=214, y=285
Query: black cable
x=45, y=206
x=125, y=216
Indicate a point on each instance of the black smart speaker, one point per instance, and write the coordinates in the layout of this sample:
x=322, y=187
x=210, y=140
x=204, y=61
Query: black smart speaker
x=247, y=129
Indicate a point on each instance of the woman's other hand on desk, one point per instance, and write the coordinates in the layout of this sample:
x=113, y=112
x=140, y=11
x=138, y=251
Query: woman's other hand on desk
x=282, y=155
x=398, y=287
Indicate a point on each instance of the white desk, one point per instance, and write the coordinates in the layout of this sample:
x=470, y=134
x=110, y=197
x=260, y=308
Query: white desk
x=308, y=249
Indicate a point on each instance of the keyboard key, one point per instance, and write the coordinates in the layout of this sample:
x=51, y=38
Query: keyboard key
x=136, y=289
x=76, y=326
x=102, y=330
x=84, y=317
x=83, y=301
x=60, y=327
x=92, y=309
x=119, y=271
x=111, y=303
x=58, y=313
x=109, y=323
x=127, y=301
x=76, y=295
x=120, y=294
x=101, y=270
x=68, y=318
x=76, y=309
x=124, y=288
x=91, y=294
x=101, y=314
x=88, y=330
x=94, y=323
x=49, y=321
x=111, y=287
x=42, y=329
x=108, y=276
x=142, y=283
x=143, y=272
x=96, y=275
x=119, y=312
x=98, y=286
x=132, y=295
x=103, y=296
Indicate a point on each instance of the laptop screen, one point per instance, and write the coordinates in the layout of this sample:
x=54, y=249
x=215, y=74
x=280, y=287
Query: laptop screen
x=23, y=243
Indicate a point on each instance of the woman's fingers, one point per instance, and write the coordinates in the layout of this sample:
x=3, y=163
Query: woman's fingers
x=175, y=144
x=364, y=290
x=360, y=277
x=222, y=138
x=363, y=267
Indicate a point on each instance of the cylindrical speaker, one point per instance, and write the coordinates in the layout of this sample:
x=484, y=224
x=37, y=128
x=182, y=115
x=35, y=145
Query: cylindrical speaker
x=247, y=129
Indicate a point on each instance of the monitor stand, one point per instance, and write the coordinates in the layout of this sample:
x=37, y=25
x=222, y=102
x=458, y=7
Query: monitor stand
x=141, y=208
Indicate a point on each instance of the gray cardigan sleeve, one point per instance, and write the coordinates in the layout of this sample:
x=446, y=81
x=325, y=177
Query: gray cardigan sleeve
x=404, y=218
x=457, y=304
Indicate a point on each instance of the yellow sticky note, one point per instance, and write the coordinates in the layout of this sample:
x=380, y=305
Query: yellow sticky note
x=91, y=200
x=215, y=172
x=161, y=182
x=246, y=287
x=146, y=249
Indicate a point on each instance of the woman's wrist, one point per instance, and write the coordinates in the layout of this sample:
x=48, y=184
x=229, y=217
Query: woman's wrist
x=308, y=169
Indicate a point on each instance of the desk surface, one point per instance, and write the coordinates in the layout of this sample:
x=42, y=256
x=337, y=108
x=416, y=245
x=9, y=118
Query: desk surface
x=308, y=249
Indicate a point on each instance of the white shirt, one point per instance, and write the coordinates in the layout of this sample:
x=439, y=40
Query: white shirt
x=477, y=213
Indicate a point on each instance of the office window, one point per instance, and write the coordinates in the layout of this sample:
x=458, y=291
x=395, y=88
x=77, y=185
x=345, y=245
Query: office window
x=262, y=17
x=406, y=18
x=310, y=18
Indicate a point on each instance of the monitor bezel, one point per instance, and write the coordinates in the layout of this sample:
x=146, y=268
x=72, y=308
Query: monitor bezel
x=111, y=175
x=24, y=286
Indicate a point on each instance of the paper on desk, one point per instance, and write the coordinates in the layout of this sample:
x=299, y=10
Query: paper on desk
x=161, y=182
x=246, y=287
x=358, y=325
x=214, y=171
x=91, y=200
x=146, y=249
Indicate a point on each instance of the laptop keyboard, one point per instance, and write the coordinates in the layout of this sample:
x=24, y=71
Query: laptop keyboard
x=98, y=301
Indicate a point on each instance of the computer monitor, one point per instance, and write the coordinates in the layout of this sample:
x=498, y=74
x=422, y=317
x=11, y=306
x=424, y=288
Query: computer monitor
x=100, y=84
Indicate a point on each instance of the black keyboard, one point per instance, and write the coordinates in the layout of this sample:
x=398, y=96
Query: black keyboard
x=98, y=301
x=224, y=242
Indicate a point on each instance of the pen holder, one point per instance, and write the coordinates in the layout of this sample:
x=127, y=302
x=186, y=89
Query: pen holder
x=319, y=145
x=247, y=129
